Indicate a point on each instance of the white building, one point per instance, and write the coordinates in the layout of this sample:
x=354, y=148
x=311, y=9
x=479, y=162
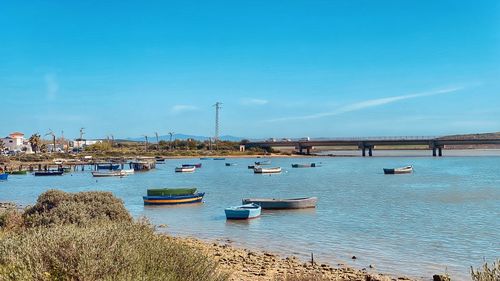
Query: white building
x=81, y=143
x=16, y=142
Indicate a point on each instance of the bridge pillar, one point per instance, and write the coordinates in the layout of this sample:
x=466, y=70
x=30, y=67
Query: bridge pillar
x=434, y=151
x=308, y=151
x=440, y=151
x=370, y=151
x=364, y=151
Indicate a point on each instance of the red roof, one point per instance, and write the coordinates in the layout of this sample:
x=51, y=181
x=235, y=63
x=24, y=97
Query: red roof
x=16, y=134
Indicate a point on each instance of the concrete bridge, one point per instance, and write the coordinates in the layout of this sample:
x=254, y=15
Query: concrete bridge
x=436, y=144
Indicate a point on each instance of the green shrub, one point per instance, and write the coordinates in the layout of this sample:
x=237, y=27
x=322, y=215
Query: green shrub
x=56, y=207
x=102, y=250
x=486, y=273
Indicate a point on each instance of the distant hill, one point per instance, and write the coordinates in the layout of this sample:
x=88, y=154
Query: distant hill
x=184, y=137
x=473, y=136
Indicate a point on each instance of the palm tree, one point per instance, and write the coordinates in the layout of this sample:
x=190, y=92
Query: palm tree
x=2, y=147
x=35, y=142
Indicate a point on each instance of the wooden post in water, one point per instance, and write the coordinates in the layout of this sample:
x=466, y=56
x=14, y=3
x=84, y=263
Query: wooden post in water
x=312, y=258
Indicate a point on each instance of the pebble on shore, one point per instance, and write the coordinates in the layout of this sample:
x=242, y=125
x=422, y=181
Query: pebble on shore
x=246, y=265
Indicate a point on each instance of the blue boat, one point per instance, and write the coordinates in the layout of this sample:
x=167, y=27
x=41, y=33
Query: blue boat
x=243, y=212
x=219, y=158
x=108, y=166
x=4, y=176
x=261, y=163
x=174, y=199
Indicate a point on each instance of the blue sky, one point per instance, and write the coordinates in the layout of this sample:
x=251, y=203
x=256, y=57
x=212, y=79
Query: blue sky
x=281, y=68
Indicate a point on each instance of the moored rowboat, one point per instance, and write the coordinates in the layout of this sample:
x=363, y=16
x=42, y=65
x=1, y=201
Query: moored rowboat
x=108, y=166
x=174, y=199
x=170, y=191
x=260, y=163
x=260, y=170
x=272, y=203
x=243, y=212
x=308, y=165
x=126, y=172
x=4, y=176
x=99, y=174
x=197, y=165
x=402, y=170
x=188, y=169
x=48, y=173
x=23, y=172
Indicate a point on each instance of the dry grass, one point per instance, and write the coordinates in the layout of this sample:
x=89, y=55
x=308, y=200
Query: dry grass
x=487, y=273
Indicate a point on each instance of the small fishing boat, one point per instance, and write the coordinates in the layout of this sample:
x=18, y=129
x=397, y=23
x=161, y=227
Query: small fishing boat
x=308, y=165
x=24, y=172
x=160, y=161
x=272, y=203
x=243, y=212
x=260, y=163
x=4, y=176
x=174, y=199
x=231, y=164
x=402, y=170
x=171, y=191
x=205, y=158
x=127, y=171
x=219, y=158
x=99, y=174
x=197, y=165
x=108, y=166
x=260, y=170
x=188, y=169
x=252, y=167
x=48, y=173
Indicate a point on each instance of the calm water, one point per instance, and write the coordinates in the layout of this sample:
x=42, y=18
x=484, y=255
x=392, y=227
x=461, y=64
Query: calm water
x=445, y=216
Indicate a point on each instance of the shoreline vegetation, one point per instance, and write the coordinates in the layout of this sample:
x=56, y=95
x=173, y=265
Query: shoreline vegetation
x=91, y=236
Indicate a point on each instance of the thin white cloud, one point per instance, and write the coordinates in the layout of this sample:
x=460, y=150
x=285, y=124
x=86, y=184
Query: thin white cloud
x=179, y=108
x=369, y=104
x=252, y=101
x=52, y=85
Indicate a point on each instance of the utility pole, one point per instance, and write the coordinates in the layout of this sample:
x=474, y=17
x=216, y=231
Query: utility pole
x=80, y=145
x=53, y=140
x=218, y=107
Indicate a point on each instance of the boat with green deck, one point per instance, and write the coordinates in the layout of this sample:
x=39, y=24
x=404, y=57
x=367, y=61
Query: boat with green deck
x=17, y=172
x=171, y=191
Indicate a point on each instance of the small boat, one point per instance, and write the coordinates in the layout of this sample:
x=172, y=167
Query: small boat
x=308, y=165
x=243, y=212
x=127, y=171
x=231, y=164
x=48, y=173
x=205, y=158
x=160, y=161
x=272, y=203
x=260, y=170
x=24, y=172
x=188, y=169
x=219, y=158
x=197, y=165
x=4, y=176
x=108, y=166
x=171, y=191
x=99, y=174
x=252, y=167
x=402, y=170
x=66, y=169
x=174, y=199
x=260, y=163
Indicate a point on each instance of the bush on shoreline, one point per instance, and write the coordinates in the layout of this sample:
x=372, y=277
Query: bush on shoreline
x=91, y=236
x=56, y=207
x=486, y=273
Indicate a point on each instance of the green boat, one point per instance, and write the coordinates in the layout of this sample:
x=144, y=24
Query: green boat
x=17, y=172
x=66, y=169
x=170, y=191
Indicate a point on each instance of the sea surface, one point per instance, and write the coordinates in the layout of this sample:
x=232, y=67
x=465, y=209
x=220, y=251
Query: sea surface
x=445, y=217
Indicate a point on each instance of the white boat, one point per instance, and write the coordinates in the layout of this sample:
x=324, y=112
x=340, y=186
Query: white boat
x=127, y=171
x=402, y=170
x=188, y=169
x=100, y=174
x=260, y=170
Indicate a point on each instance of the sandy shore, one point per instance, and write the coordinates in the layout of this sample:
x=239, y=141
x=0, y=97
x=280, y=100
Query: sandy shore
x=246, y=265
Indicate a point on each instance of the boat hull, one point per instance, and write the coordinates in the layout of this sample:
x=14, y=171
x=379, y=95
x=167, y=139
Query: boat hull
x=406, y=170
x=17, y=172
x=173, y=200
x=237, y=213
x=311, y=165
x=259, y=170
x=4, y=176
x=108, y=174
x=108, y=166
x=198, y=165
x=190, y=169
x=295, y=203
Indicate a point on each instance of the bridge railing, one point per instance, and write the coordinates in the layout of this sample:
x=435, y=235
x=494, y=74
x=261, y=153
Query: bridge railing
x=389, y=138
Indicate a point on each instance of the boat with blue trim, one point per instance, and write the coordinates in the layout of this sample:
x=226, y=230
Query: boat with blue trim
x=174, y=199
x=186, y=169
x=108, y=166
x=261, y=163
x=4, y=176
x=48, y=173
x=243, y=212
x=197, y=165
